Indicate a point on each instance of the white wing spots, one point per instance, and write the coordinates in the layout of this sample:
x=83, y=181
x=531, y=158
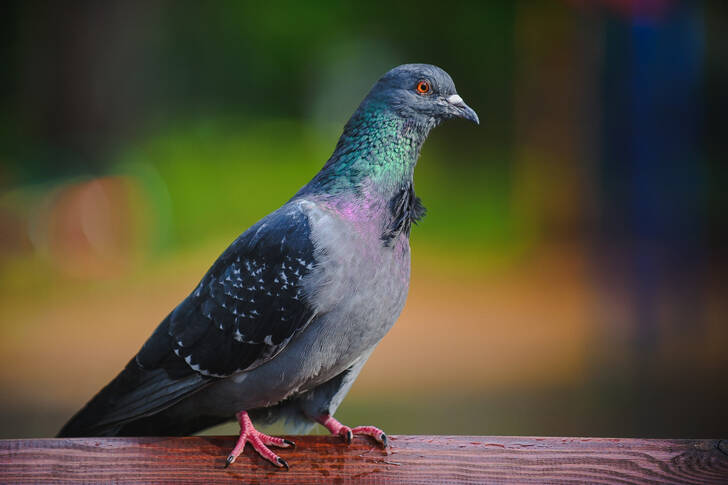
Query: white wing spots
x=238, y=336
x=196, y=368
x=304, y=264
x=283, y=276
x=188, y=359
x=268, y=340
x=179, y=342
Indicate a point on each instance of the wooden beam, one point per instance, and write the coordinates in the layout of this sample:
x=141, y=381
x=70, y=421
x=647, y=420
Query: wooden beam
x=410, y=459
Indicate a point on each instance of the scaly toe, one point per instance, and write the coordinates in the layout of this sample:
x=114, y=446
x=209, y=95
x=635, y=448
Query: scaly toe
x=266, y=453
x=274, y=441
x=374, y=432
x=259, y=442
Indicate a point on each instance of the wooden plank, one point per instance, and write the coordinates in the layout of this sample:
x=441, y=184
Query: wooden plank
x=410, y=459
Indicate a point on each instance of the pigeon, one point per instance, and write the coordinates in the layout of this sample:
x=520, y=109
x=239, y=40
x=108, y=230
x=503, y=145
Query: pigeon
x=285, y=319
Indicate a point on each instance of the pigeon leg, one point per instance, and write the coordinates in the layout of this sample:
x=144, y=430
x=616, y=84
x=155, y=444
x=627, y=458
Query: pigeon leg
x=259, y=441
x=335, y=427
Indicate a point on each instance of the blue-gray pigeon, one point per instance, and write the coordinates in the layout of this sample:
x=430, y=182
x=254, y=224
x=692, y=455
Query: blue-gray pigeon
x=284, y=320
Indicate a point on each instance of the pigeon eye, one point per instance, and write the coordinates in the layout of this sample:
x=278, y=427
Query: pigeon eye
x=423, y=87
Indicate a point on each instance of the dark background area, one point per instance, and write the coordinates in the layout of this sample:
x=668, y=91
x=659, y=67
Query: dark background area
x=569, y=276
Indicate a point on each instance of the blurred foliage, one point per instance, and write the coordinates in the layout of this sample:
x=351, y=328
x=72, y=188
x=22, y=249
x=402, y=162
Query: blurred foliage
x=155, y=63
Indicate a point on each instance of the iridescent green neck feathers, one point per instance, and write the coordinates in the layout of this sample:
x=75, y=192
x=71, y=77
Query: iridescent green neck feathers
x=377, y=151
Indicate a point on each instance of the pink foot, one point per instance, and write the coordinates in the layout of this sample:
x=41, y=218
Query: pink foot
x=347, y=433
x=259, y=441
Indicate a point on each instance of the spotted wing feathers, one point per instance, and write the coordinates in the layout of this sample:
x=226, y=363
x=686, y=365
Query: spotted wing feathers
x=245, y=310
x=251, y=302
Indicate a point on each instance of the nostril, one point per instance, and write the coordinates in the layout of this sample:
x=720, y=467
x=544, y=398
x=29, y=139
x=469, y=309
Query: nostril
x=456, y=100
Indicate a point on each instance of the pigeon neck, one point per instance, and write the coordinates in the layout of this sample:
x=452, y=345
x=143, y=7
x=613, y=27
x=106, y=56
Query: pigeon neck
x=375, y=156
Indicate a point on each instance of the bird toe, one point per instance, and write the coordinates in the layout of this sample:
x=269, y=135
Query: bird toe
x=259, y=442
x=374, y=432
x=290, y=443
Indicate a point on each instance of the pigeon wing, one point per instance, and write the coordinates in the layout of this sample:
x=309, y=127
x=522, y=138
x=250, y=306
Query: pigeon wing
x=251, y=303
x=245, y=310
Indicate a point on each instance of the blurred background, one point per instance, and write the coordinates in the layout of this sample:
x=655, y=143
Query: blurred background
x=569, y=278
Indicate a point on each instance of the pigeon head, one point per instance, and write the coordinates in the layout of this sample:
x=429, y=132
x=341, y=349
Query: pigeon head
x=379, y=146
x=422, y=93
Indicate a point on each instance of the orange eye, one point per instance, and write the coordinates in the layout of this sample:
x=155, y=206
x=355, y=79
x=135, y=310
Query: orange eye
x=423, y=87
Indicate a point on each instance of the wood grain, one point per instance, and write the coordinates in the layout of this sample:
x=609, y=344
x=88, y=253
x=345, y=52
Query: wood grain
x=410, y=459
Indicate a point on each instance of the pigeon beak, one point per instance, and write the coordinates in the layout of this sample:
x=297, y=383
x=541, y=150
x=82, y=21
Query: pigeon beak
x=462, y=110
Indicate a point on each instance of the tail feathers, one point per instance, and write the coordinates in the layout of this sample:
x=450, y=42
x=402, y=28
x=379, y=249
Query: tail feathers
x=134, y=394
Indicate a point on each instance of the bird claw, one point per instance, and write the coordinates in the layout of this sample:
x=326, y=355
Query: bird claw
x=290, y=443
x=348, y=433
x=374, y=432
x=259, y=442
